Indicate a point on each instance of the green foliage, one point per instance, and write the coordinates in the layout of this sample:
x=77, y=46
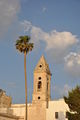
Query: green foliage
x=23, y=45
x=73, y=101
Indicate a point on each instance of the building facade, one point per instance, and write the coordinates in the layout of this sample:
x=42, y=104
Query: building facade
x=42, y=107
x=5, y=101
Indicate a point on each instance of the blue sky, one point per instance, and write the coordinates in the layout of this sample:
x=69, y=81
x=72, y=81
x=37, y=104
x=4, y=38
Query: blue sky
x=54, y=27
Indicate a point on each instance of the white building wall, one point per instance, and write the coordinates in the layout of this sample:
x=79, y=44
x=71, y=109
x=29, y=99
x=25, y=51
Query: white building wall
x=54, y=106
x=18, y=109
x=57, y=106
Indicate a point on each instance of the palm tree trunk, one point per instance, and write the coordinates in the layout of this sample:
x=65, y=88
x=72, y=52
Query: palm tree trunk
x=25, y=85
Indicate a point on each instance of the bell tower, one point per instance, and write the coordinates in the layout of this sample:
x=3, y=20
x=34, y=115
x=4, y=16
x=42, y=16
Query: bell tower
x=42, y=79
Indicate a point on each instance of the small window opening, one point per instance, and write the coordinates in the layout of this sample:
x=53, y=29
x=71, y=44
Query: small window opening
x=56, y=115
x=39, y=98
x=39, y=85
x=40, y=66
x=39, y=78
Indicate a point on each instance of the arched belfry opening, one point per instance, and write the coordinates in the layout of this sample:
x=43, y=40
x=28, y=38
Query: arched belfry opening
x=39, y=86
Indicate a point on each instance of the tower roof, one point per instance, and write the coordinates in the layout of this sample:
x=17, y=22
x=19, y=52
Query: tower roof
x=42, y=66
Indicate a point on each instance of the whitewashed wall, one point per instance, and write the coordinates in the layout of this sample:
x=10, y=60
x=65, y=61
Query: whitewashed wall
x=54, y=106
x=57, y=106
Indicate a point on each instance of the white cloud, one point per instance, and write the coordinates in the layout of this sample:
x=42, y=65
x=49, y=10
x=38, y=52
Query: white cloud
x=37, y=34
x=53, y=39
x=72, y=64
x=27, y=25
x=9, y=10
x=56, y=43
x=60, y=40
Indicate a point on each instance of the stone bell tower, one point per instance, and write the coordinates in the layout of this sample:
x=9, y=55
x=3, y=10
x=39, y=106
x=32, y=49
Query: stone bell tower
x=42, y=79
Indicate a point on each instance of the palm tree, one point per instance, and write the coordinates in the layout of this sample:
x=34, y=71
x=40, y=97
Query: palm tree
x=23, y=46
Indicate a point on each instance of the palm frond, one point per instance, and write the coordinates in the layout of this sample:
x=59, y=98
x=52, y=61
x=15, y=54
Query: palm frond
x=22, y=44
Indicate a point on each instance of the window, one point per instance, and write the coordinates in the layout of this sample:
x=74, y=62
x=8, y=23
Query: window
x=40, y=66
x=39, y=98
x=56, y=115
x=39, y=78
x=39, y=85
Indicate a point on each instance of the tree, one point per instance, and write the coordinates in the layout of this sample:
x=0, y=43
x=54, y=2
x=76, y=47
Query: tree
x=73, y=101
x=23, y=46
